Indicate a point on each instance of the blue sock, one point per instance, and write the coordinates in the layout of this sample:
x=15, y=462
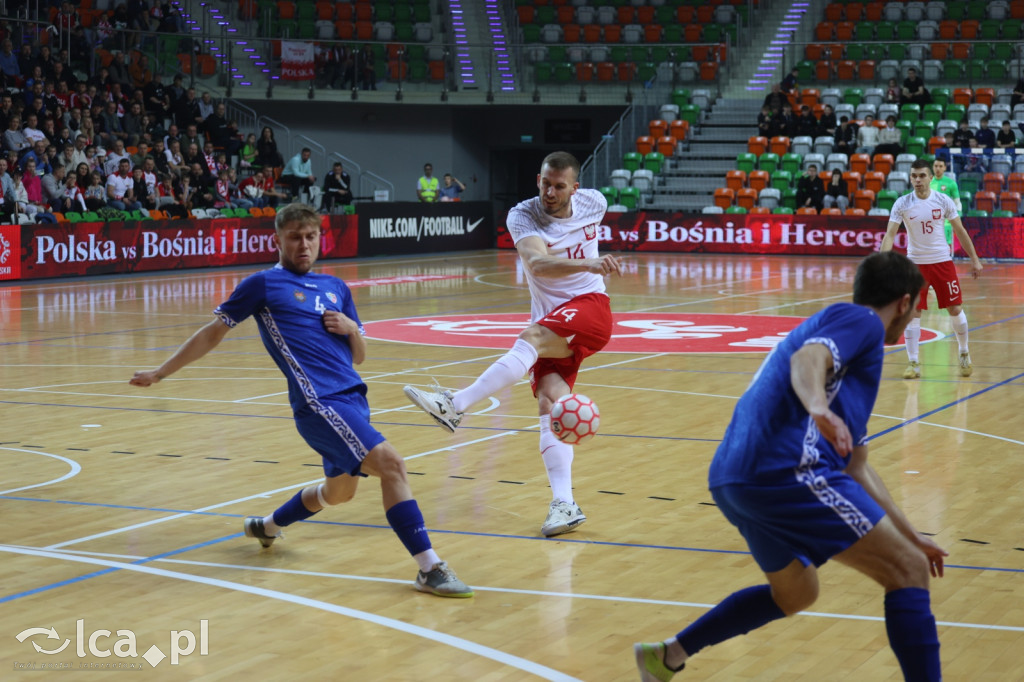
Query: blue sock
x=737, y=614
x=291, y=511
x=407, y=522
x=912, y=634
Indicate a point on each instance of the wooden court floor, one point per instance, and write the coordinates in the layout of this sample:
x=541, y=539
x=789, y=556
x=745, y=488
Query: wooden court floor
x=121, y=507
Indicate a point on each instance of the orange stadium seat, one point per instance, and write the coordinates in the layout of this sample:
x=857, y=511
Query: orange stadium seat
x=863, y=199
x=645, y=144
x=1015, y=182
x=994, y=182
x=571, y=33
x=855, y=211
x=873, y=11
x=874, y=181
x=679, y=129
x=657, y=127
x=760, y=210
x=757, y=145
x=963, y=96
x=807, y=210
x=780, y=145
x=831, y=210
x=746, y=197
x=985, y=201
x=934, y=143
x=1009, y=201
x=853, y=180
x=985, y=96
x=736, y=180
x=758, y=179
x=882, y=163
x=724, y=197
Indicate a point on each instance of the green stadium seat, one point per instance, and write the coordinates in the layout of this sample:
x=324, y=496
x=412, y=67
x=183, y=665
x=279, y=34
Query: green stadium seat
x=654, y=162
x=73, y=217
x=853, y=96
x=611, y=194
x=792, y=163
x=897, y=51
x=941, y=96
x=735, y=209
x=995, y=214
x=885, y=30
x=781, y=179
x=788, y=198
x=629, y=197
x=782, y=210
x=746, y=162
x=910, y=112
x=953, y=69
x=955, y=112
x=632, y=161
x=543, y=72
x=681, y=97
x=906, y=128
x=863, y=30
x=885, y=199
x=969, y=182
x=996, y=69
x=906, y=30
x=768, y=162
x=932, y=112
x=689, y=113
x=976, y=69
x=917, y=146
x=924, y=128
x=974, y=213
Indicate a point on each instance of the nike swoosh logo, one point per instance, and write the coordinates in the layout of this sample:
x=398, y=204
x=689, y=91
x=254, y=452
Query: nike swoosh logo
x=472, y=226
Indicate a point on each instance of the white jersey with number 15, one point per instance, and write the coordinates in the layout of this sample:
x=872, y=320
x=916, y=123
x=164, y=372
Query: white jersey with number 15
x=925, y=220
x=572, y=237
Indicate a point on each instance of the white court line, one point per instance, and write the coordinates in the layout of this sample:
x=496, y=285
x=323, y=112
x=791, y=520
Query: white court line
x=539, y=593
x=75, y=468
x=793, y=304
x=466, y=645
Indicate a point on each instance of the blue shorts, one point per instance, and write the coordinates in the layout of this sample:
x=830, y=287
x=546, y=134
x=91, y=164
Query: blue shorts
x=812, y=517
x=338, y=427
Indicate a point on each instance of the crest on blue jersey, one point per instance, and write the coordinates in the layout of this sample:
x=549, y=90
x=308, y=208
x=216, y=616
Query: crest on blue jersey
x=299, y=296
x=331, y=297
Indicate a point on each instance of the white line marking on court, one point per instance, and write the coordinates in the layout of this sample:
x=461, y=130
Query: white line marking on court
x=539, y=593
x=466, y=645
x=951, y=428
x=793, y=304
x=75, y=468
x=451, y=448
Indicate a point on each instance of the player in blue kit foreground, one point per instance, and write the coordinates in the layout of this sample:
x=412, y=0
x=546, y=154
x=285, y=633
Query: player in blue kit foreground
x=309, y=325
x=792, y=475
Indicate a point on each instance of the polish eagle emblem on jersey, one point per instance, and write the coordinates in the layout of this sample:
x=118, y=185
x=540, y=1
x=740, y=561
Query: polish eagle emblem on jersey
x=936, y=213
x=590, y=231
x=300, y=296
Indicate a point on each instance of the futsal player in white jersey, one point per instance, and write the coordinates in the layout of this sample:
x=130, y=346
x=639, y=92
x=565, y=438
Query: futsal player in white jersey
x=924, y=213
x=556, y=236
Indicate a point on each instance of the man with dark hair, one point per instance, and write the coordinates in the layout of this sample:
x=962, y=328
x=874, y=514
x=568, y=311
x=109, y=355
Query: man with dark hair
x=298, y=173
x=923, y=212
x=556, y=236
x=309, y=326
x=809, y=190
x=792, y=475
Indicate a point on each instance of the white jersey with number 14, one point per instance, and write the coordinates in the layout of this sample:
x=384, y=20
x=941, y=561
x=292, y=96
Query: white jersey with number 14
x=574, y=237
x=925, y=220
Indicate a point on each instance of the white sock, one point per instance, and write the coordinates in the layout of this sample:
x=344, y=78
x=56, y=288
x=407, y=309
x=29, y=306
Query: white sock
x=959, y=324
x=269, y=527
x=506, y=370
x=912, y=335
x=557, y=460
x=427, y=559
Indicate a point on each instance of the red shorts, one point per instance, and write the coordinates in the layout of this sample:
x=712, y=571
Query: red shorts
x=942, y=278
x=587, y=321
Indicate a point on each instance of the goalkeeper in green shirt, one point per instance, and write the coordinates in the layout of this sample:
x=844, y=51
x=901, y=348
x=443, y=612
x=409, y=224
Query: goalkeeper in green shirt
x=946, y=185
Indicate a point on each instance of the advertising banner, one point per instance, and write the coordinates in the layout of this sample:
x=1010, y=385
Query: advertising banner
x=296, y=61
x=780, y=234
x=74, y=249
x=411, y=227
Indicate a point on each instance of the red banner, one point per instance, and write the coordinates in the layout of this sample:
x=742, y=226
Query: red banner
x=72, y=249
x=780, y=234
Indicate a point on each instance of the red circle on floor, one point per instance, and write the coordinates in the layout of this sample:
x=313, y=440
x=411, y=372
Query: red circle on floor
x=632, y=333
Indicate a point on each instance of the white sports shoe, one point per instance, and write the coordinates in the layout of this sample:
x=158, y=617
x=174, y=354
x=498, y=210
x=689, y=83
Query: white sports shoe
x=438, y=404
x=966, y=368
x=563, y=517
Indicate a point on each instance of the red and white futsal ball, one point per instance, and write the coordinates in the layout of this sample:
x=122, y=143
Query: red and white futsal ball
x=574, y=418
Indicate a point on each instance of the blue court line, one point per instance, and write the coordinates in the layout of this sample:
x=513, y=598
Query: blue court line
x=71, y=581
x=377, y=526
x=946, y=406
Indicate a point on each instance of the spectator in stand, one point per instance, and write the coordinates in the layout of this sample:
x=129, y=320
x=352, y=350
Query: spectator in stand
x=140, y=73
x=15, y=139
x=121, y=188
x=248, y=155
x=775, y=99
x=252, y=189
x=337, y=188
x=95, y=193
x=837, y=192
x=74, y=196
x=94, y=159
x=119, y=72
x=806, y=124
x=169, y=198
x=206, y=106
x=1018, y=93
x=220, y=132
x=141, y=191
x=194, y=158
x=6, y=109
x=784, y=122
x=88, y=129
x=111, y=128
x=209, y=161
x=890, y=138
x=985, y=136
x=82, y=175
x=176, y=91
x=192, y=136
x=963, y=134
x=202, y=184
x=149, y=173
x=159, y=157
x=366, y=65
x=132, y=125
x=809, y=190
x=158, y=99
x=37, y=155
x=268, y=158
x=67, y=157
x=764, y=122
x=175, y=159
x=1006, y=138
x=9, y=63
x=142, y=152
x=298, y=173
x=32, y=129
x=427, y=185
x=846, y=136
x=451, y=188
x=114, y=157
x=186, y=110
x=827, y=124
x=36, y=206
x=867, y=136
x=238, y=200
x=893, y=94
x=914, y=91
x=788, y=83
x=52, y=185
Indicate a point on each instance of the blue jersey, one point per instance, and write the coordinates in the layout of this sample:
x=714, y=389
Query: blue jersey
x=771, y=435
x=288, y=309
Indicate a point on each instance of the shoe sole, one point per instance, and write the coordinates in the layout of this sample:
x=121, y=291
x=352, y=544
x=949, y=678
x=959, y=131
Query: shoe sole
x=562, y=530
x=414, y=395
x=266, y=542
x=641, y=665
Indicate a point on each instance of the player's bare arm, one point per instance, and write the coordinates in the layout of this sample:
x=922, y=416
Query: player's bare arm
x=338, y=323
x=534, y=254
x=968, y=246
x=808, y=370
x=198, y=345
x=890, y=235
x=865, y=474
